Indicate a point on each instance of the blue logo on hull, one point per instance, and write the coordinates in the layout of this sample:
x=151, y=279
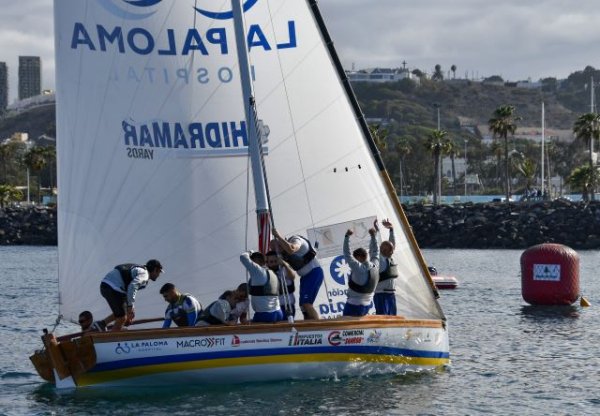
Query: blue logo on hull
x=225, y=15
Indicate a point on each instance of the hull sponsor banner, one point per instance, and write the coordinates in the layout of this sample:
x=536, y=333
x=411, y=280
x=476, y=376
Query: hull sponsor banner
x=424, y=339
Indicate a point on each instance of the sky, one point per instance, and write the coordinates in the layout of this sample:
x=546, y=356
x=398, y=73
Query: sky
x=516, y=39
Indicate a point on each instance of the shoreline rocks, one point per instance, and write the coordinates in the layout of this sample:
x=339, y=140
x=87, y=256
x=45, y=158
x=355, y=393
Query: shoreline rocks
x=512, y=226
x=34, y=226
x=473, y=226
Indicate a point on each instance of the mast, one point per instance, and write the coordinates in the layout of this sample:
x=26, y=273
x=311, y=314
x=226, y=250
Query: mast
x=543, y=138
x=254, y=142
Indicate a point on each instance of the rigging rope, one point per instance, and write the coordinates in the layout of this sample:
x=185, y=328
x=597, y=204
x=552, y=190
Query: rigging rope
x=294, y=132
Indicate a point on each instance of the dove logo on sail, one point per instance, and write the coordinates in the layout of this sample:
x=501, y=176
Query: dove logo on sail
x=224, y=15
x=124, y=9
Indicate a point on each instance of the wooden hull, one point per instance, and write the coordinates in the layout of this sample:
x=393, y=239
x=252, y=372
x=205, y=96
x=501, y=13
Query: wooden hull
x=258, y=352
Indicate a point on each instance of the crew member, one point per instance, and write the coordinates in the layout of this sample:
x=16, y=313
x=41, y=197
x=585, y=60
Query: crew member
x=301, y=255
x=385, y=292
x=219, y=312
x=263, y=287
x=364, y=276
x=183, y=309
x=287, y=286
x=86, y=321
x=240, y=312
x=120, y=286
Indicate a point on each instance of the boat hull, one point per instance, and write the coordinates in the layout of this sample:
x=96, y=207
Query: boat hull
x=324, y=349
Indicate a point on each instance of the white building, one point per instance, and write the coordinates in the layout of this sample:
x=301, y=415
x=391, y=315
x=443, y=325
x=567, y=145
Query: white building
x=381, y=75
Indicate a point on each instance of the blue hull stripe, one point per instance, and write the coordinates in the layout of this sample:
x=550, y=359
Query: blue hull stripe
x=166, y=359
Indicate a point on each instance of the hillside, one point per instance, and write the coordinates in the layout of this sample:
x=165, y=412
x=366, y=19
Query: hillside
x=36, y=122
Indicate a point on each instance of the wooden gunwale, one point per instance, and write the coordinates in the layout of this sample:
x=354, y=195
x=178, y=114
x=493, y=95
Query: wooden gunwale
x=322, y=325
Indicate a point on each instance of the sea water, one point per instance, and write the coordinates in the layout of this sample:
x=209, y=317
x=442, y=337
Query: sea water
x=507, y=358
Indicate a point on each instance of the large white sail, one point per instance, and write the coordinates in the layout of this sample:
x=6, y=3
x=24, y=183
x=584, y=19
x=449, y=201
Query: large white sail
x=152, y=156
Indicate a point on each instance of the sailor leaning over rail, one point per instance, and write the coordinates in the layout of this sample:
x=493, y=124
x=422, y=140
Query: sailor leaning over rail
x=385, y=292
x=364, y=275
x=301, y=255
x=183, y=309
x=219, y=312
x=263, y=286
x=120, y=286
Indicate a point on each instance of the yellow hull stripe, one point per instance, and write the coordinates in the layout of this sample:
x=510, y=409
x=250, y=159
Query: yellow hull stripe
x=113, y=375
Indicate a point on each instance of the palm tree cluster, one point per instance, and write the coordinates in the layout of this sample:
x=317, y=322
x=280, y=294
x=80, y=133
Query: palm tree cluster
x=16, y=159
x=587, y=129
x=503, y=124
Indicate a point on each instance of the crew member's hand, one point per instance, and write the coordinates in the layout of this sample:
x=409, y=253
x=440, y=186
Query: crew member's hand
x=130, y=315
x=276, y=234
x=372, y=232
x=349, y=233
x=387, y=224
x=376, y=225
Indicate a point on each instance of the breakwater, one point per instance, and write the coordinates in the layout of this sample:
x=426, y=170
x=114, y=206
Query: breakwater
x=514, y=225
x=493, y=225
x=34, y=226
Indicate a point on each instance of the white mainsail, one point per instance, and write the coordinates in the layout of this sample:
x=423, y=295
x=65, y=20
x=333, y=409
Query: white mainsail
x=152, y=156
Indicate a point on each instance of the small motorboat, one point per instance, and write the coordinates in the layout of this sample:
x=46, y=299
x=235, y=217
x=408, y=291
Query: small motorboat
x=443, y=282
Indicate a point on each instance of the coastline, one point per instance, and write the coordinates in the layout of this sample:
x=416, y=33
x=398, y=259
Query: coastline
x=469, y=225
x=511, y=226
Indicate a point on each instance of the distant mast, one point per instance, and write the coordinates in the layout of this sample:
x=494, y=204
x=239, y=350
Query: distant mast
x=543, y=139
x=254, y=142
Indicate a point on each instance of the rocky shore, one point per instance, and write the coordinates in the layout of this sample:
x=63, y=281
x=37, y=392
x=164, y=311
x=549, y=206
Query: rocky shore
x=493, y=225
x=514, y=225
x=34, y=226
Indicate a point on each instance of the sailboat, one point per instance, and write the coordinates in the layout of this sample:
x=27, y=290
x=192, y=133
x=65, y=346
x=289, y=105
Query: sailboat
x=176, y=122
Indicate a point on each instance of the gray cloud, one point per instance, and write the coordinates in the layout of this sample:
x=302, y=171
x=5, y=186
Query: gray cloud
x=513, y=38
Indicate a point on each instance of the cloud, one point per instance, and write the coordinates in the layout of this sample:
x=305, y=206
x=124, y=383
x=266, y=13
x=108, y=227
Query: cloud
x=513, y=38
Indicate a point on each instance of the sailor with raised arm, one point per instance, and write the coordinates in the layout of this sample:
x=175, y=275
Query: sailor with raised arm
x=263, y=287
x=385, y=292
x=183, y=309
x=364, y=275
x=120, y=286
x=300, y=254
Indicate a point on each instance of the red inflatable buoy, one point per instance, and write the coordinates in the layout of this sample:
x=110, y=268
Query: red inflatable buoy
x=550, y=275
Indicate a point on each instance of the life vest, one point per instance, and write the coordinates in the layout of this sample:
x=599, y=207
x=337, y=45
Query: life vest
x=125, y=270
x=178, y=314
x=291, y=287
x=299, y=261
x=207, y=317
x=370, y=284
x=391, y=272
x=270, y=288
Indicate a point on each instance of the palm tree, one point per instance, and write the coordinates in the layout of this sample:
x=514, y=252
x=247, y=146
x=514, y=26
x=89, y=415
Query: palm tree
x=437, y=145
x=452, y=150
x=50, y=156
x=584, y=178
x=438, y=75
x=527, y=167
x=5, y=156
x=9, y=193
x=35, y=160
x=379, y=135
x=453, y=69
x=587, y=129
x=403, y=149
x=502, y=124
